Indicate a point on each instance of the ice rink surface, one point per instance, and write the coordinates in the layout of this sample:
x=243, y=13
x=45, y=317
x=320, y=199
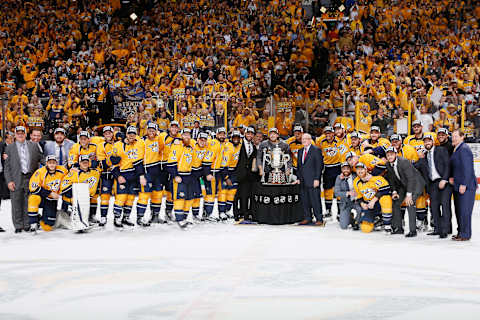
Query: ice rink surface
x=226, y=271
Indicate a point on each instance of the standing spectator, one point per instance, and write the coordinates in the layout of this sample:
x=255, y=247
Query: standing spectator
x=407, y=185
x=464, y=184
x=309, y=169
x=23, y=158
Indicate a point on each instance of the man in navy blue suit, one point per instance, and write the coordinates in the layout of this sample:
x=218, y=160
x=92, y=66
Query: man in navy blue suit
x=434, y=166
x=309, y=170
x=464, y=182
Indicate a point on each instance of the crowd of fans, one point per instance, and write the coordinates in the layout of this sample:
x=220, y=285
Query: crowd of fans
x=68, y=63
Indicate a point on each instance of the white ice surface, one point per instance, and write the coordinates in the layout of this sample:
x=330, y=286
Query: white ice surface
x=224, y=271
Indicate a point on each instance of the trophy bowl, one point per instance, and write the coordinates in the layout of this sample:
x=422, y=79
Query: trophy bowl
x=277, y=160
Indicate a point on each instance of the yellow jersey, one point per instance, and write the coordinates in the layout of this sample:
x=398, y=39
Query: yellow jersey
x=77, y=150
x=128, y=158
x=165, y=142
x=90, y=177
x=152, y=156
x=42, y=182
x=104, y=152
x=375, y=187
x=331, y=156
x=180, y=160
x=295, y=146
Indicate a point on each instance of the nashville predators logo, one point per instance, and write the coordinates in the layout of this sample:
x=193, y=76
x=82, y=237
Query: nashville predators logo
x=91, y=182
x=54, y=185
x=368, y=193
x=342, y=149
x=331, y=152
x=132, y=154
x=154, y=147
x=188, y=157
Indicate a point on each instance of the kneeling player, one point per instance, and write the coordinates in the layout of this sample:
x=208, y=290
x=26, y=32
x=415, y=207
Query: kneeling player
x=44, y=188
x=85, y=174
x=179, y=166
x=375, y=199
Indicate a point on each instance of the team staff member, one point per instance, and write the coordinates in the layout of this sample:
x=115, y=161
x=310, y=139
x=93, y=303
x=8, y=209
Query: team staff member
x=104, y=153
x=128, y=170
x=332, y=162
x=246, y=177
x=407, y=185
x=309, y=170
x=22, y=160
x=179, y=166
x=464, y=182
x=84, y=174
x=435, y=169
x=44, y=188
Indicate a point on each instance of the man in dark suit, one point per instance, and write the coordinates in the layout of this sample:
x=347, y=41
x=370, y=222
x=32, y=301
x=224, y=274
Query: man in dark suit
x=246, y=177
x=23, y=159
x=407, y=185
x=309, y=170
x=462, y=177
x=435, y=169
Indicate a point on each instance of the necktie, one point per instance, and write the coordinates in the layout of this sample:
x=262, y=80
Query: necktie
x=430, y=167
x=60, y=155
x=304, y=155
x=24, y=159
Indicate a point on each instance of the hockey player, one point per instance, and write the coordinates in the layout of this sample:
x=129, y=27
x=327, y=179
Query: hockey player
x=179, y=166
x=128, y=170
x=416, y=139
x=295, y=144
x=343, y=141
x=375, y=165
x=44, y=189
x=153, y=190
x=212, y=165
x=403, y=150
x=230, y=183
x=84, y=174
x=355, y=144
x=332, y=162
x=83, y=146
x=165, y=141
x=200, y=152
x=374, y=195
x=374, y=141
x=104, y=152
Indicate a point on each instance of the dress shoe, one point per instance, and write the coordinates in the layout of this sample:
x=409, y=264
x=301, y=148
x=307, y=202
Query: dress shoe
x=2, y=230
x=320, y=224
x=355, y=227
x=443, y=235
x=305, y=223
x=397, y=231
x=26, y=229
x=18, y=230
x=455, y=236
x=433, y=234
x=459, y=239
x=411, y=234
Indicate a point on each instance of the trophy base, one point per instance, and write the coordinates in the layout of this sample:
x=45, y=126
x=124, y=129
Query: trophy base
x=277, y=178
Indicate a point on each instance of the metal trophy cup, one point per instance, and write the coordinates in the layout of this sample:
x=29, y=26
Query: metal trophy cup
x=276, y=159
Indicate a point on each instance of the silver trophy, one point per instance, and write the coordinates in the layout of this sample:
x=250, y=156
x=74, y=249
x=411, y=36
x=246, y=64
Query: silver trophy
x=277, y=160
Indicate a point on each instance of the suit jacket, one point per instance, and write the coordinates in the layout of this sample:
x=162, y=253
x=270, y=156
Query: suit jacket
x=410, y=179
x=312, y=168
x=441, y=160
x=243, y=171
x=49, y=149
x=461, y=164
x=342, y=187
x=13, y=169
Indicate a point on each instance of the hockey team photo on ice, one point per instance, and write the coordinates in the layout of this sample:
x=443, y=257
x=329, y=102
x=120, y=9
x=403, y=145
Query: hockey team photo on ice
x=239, y=159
